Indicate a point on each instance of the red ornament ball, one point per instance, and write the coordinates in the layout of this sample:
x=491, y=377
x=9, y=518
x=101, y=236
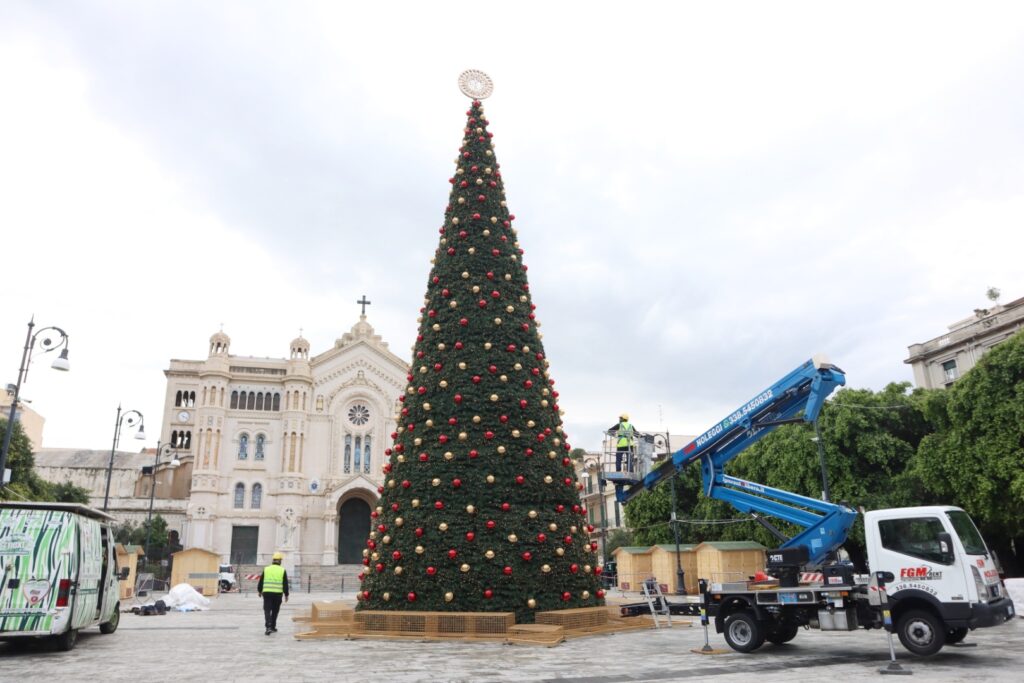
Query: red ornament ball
x=488, y=594
x=431, y=571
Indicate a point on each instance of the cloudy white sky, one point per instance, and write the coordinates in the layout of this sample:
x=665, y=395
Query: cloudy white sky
x=708, y=193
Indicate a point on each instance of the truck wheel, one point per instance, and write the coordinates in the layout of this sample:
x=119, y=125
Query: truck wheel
x=921, y=632
x=782, y=634
x=115, y=619
x=65, y=642
x=955, y=635
x=744, y=632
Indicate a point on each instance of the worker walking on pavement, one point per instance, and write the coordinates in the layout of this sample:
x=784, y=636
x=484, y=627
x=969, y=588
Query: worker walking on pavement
x=624, y=434
x=272, y=586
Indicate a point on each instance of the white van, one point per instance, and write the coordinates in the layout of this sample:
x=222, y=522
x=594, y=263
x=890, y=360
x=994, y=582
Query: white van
x=58, y=572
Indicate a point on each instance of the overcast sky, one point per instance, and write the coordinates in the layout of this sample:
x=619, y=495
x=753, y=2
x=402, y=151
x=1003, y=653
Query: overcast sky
x=707, y=193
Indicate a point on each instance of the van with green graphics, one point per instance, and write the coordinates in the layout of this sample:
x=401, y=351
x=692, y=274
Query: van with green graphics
x=58, y=572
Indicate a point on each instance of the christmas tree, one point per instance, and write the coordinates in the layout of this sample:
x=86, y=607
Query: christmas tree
x=480, y=510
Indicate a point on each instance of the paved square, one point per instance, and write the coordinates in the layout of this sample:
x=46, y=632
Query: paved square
x=227, y=643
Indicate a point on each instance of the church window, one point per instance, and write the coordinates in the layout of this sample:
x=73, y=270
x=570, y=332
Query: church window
x=234, y=400
x=359, y=414
x=291, y=452
x=359, y=452
x=366, y=456
x=174, y=439
x=277, y=401
x=177, y=400
x=186, y=440
x=261, y=440
x=251, y=404
x=221, y=404
x=303, y=400
x=348, y=453
x=239, y=495
x=204, y=396
x=191, y=399
x=243, y=446
x=257, y=496
x=259, y=401
x=319, y=404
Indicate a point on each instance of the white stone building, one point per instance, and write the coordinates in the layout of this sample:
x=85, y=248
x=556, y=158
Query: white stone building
x=283, y=453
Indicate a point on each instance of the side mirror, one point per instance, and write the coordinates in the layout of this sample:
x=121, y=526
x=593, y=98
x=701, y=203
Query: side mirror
x=946, y=548
x=123, y=574
x=884, y=577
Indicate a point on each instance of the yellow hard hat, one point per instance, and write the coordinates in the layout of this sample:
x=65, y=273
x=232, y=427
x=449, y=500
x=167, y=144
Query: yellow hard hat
x=624, y=416
x=277, y=556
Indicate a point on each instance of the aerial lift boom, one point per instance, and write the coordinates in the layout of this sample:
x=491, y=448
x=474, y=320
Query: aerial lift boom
x=796, y=398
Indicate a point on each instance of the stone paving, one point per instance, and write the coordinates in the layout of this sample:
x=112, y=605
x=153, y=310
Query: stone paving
x=227, y=643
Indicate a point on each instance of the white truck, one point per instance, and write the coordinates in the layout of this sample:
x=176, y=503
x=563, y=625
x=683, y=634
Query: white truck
x=58, y=572
x=931, y=577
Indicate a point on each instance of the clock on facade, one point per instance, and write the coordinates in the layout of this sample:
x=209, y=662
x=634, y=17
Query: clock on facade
x=183, y=416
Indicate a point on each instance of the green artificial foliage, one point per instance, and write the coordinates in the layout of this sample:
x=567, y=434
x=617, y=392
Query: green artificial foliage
x=480, y=510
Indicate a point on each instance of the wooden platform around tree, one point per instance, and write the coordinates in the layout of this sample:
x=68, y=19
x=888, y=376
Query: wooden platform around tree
x=338, y=620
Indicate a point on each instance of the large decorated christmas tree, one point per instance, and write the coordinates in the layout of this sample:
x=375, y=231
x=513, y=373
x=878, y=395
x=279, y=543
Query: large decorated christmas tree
x=480, y=510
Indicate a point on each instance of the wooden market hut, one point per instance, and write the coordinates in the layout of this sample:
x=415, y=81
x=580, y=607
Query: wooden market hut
x=663, y=565
x=729, y=560
x=128, y=556
x=196, y=567
x=633, y=565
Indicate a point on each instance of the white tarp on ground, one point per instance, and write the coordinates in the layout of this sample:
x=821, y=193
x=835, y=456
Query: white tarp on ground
x=185, y=598
x=1016, y=589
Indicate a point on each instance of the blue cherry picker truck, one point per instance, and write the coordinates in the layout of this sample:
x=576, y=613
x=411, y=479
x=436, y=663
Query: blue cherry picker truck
x=932, y=578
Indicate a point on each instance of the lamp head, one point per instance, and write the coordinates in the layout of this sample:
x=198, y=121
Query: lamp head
x=61, y=363
x=174, y=463
x=141, y=434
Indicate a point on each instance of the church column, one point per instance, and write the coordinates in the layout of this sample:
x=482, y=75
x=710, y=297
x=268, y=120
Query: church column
x=330, y=539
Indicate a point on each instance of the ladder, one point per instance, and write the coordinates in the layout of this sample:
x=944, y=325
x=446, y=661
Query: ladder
x=656, y=601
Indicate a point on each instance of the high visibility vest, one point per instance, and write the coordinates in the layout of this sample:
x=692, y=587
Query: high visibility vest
x=625, y=434
x=273, y=579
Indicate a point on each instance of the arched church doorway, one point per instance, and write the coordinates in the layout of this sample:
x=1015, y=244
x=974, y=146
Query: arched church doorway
x=353, y=530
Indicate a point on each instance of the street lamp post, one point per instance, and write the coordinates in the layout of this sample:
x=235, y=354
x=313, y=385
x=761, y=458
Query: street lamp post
x=130, y=417
x=152, y=491
x=680, y=574
x=47, y=344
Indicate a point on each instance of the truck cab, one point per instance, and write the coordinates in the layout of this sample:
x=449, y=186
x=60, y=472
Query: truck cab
x=945, y=580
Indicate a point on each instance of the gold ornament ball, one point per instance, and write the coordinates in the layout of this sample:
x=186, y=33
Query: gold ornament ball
x=449, y=596
x=487, y=233
x=548, y=479
x=430, y=423
x=426, y=406
x=476, y=289
x=572, y=529
x=515, y=433
x=531, y=603
x=400, y=458
x=512, y=538
x=545, y=568
x=399, y=521
x=415, y=502
x=518, y=366
x=504, y=378
x=375, y=556
x=386, y=540
x=531, y=424
x=552, y=527
x=443, y=526
x=441, y=347
x=435, y=481
x=494, y=397
x=398, y=571
x=476, y=419
x=455, y=221
x=462, y=365
x=532, y=514
x=487, y=346
x=470, y=509
x=501, y=450
x=585, y=595
x=463, y=436
x=560, y=551
x=417, y=441
x=465, y=275
x=448, y=455
x=464, y=568
x=497, y=321
x=489, y=554
x=366, y=552
x=420, y=549
x=443, y=384
x=435, y=327
x=453, y=304
x=490, y=478
x=471, y=250
x=386, y=596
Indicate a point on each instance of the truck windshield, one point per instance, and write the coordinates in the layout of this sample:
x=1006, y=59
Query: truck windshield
x=968, y=533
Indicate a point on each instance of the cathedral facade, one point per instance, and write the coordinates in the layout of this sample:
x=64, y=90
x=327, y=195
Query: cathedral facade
x=283, y=454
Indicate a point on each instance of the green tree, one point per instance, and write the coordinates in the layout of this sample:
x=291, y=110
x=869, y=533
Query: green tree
x=67, y=492
x=616, y=538
x=480, y=510
x=976, y=459
x=25, y=483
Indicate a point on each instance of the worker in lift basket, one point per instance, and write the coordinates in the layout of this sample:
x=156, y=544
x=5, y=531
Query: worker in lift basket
x=272, y=586
x=624, y=435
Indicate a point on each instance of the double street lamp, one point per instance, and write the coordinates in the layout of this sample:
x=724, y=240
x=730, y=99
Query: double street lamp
x=173, y=464
x=46, y=343
x=130, y=418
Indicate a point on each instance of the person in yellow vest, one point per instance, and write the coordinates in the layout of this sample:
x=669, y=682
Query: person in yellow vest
x=623, y=433
x=272, y=586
